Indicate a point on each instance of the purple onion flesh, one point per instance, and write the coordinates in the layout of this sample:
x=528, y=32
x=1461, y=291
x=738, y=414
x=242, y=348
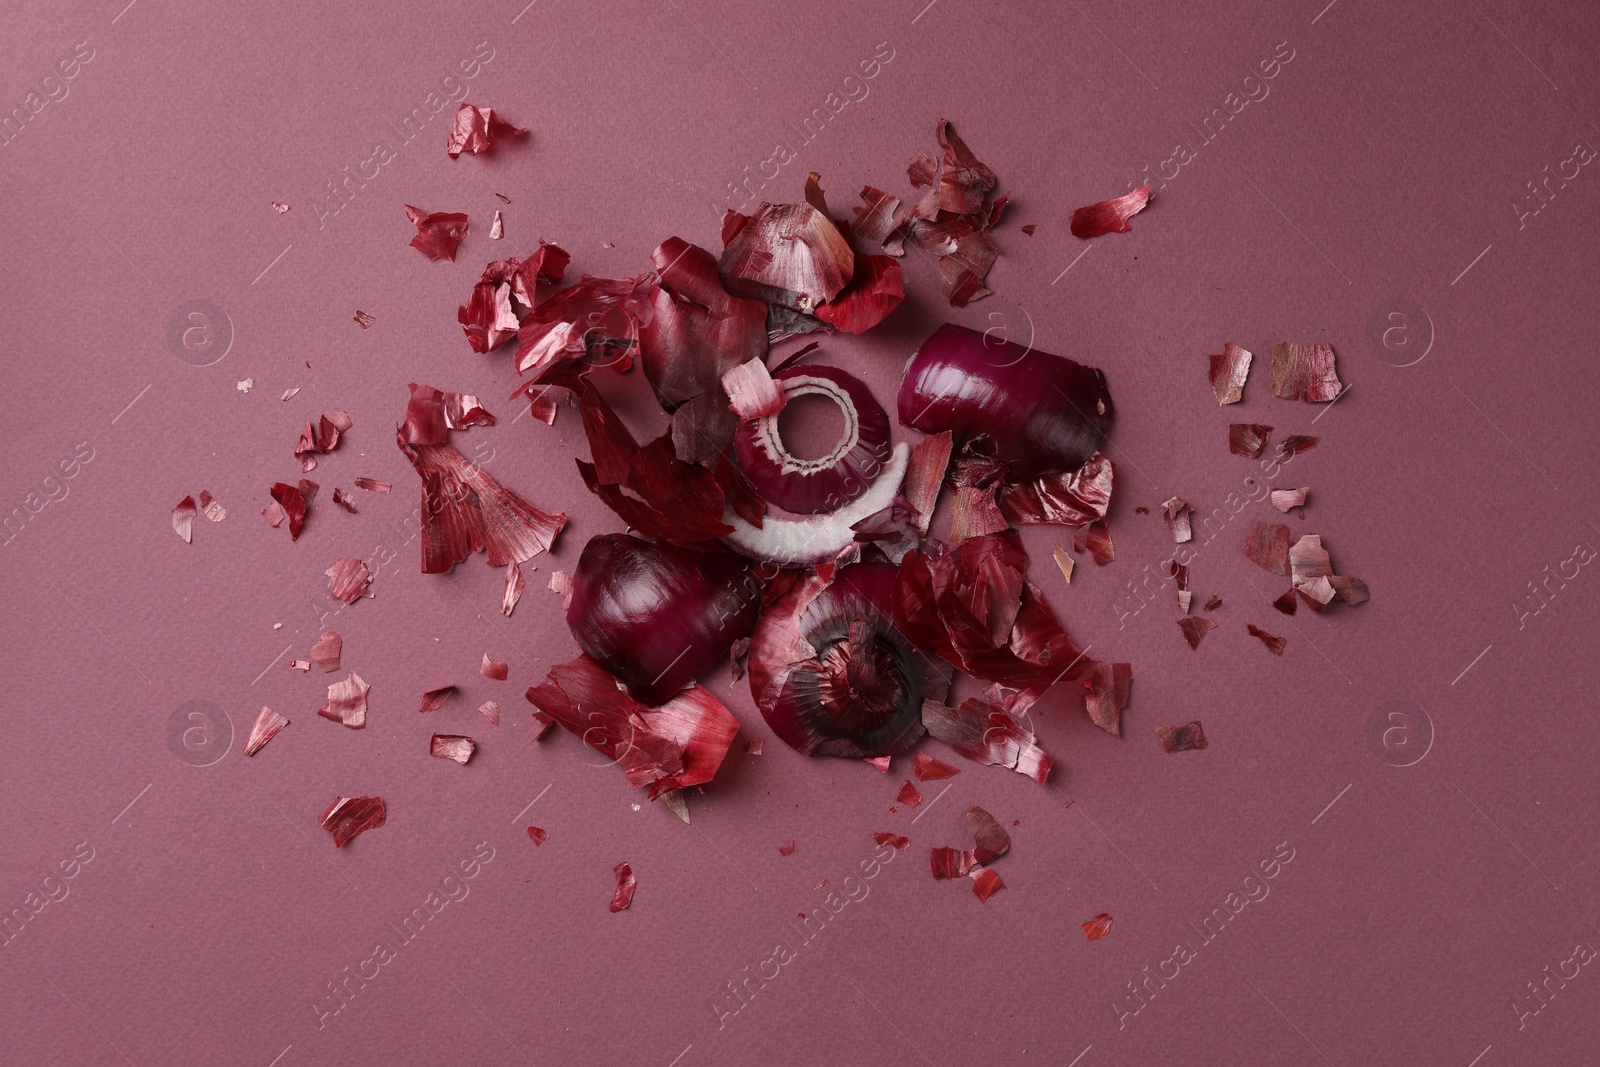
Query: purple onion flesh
x=829, y=482
x=655, y=615
x=1039, y=412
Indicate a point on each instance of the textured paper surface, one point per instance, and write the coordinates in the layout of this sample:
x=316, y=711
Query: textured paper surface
x=1376, y=198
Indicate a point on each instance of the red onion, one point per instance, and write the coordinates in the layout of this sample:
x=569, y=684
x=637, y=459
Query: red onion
x=654, y=615
x=827, y=483
x=1040, y=412
x=831, y=673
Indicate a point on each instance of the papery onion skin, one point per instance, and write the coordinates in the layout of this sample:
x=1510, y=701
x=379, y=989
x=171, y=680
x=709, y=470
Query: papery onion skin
x=1039, y=412
x=812, y=486
x=655, y=615
x=801, y=669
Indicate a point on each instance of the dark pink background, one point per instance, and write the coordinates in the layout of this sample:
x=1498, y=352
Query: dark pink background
x=1384, y=163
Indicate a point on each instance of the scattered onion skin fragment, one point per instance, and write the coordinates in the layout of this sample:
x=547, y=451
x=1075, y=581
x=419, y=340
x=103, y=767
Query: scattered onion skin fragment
x=372, y=485
x=1041, y=413
x=985, y=884
x=595, y=322
x=1018, y=642
x=1176, y=513
x=343, y=501
x=990, y=840
x=1064, y=562
x=788, y=254
x=1274, y=644
x=985, y=733
x=1097, y=927
x=650, y=488
x=922, y=170
x=347, y=702
x=1295, y=444
x=947, y=862
x=491, y=711
x=326, y=652
x=697, y=331
x=492, y=670
x=1304, y=372
x=210, y=508
x=925, y=472
x=1213, y=604
x=656, y=616
x=537, y=835
x=786, y=849
x=515, y=584
x=751, y=391
x=561, y=586
x=1229, y=370
x=452, y=747
x=363, y=320
x=829, y=673
x=348, y=816
x=183, y=519
x=506, y=292
x=1288, y=602
x=1195, y=628
x=477, y=130
x=1109, y=216
x=438, y=234
x=1267, y=545
x=928, y=769
x=877, y=288
x=1069, y=498
x=1095, y=537
x=881, y=764
x=881, y=221
x=1182, y=738
x=909, y=795
x=434, y=699
x=623, y=897
x=349, y=579
x=466, y=511
x=790, y=542
x=895, y=841
x=1286, y=500
x=266, y=727
x=679, y=744
x=1247, y=438
x=274, y=514
x=829, y=482
x=1107, y=690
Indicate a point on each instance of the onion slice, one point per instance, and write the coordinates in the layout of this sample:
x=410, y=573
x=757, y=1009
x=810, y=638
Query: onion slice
x=819, y=537
x=811, y=486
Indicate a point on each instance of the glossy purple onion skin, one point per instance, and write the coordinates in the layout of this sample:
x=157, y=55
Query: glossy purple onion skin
x=655, y=615
x=1040, y=412
x=826, y=490
x=806, y=724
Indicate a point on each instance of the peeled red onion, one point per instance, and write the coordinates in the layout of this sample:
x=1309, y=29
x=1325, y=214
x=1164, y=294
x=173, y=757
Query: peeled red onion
x=1040, y=412
x=827, y=483
x=831, y=673
x=655, y=615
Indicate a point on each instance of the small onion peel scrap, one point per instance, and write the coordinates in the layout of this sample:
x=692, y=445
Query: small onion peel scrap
x=623, y=897
x=1109, y=216
x=1229, y=370
x=1182, y=738
x=266, y=727
x=349, y=816
x=1097, y=927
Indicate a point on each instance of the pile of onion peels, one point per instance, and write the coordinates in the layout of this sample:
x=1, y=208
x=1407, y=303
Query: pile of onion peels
x=820, y=569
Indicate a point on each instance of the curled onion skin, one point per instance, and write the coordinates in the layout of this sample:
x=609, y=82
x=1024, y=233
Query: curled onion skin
x=827, y=483
x=1040, y=412
x=830, y=672
x=655, y=615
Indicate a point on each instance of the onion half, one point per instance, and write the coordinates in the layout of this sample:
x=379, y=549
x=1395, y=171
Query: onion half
x=831, y=673
x=827, y=483
x=1039, y=412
